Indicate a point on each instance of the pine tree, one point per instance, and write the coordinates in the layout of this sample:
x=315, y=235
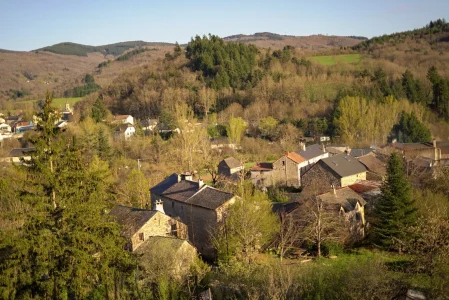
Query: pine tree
x=99, y=111
x=66, y=247
x=394, y=211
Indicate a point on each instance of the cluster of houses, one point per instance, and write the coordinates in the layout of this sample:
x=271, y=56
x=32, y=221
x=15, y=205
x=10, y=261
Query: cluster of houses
x=189, y=209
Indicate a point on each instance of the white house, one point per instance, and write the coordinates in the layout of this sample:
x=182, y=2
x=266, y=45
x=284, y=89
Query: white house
x=124, y=131
x=5, y=127
x=123, y=119
x=312, y=154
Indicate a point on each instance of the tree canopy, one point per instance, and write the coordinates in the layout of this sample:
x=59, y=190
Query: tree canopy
x=410, y=130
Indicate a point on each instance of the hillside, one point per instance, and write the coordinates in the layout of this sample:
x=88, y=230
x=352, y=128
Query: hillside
x=111, y=49
x=312, y=42
x=32, y=73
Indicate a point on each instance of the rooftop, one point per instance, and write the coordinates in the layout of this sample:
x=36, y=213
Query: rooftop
x=373, y=164
x=263, y=167
x=131, y=218
x=295, y=157
x=344, y=165
x=346, y=197
x=232, y=162
x=311, y=152
x=18, y=152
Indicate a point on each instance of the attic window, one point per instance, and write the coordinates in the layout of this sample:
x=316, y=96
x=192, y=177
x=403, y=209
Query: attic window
x=142, y=236
x=283, y=163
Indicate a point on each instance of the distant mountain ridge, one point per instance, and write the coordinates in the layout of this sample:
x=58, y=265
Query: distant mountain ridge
x=116, y=49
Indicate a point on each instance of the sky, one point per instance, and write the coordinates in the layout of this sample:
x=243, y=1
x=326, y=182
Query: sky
x=31, y=24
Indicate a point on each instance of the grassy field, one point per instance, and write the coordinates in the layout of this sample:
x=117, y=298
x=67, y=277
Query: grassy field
x=58, y=102
x=337, y=59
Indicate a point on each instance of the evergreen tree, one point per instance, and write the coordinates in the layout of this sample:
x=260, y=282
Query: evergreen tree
x=99, y=111
x=410, y=130
x=104, y=148
x=395, y=210
x=67, y=247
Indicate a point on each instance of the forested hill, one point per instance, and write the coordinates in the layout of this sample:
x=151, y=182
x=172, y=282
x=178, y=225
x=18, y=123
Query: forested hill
x=111, y=49
x=434, y=33
x=278, y=41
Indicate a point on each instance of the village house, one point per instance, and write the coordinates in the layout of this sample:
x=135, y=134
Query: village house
x=221, y=143
x=138, y=225
x=5, y=127
x=284, y=172
x=311, y=154
x=123, y=119
x=149, y=125
x=16, y=154
x=357, y=152
x=124, y=131
x=370, y=191
x=22, y=126
x=336, y=171
x=376, y=169
x=199, y=206
x=67, y=113
x=230, y=168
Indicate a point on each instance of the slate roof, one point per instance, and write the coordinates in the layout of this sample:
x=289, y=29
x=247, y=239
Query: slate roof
x=311, y=152
x=210, y=197
x=232, y=162
x=18, y=152
x=131, y=218
x=188, y=191
x=344, y=165
x=159, y=188
x=263, y=167
x=346, y=197
x=360, y=151
x=373, y=164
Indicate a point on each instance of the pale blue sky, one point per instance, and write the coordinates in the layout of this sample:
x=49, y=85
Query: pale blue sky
x=31, y=24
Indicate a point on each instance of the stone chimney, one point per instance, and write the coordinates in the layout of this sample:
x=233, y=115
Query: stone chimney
x=323, y=148
x=159, y=206
x=302, y=146
x=200, y=183
x=186, y=176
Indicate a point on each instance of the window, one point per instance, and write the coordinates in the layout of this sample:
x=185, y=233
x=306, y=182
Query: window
x=174, y=230
x=172, y=204
x=283, y=163
x=142, y=236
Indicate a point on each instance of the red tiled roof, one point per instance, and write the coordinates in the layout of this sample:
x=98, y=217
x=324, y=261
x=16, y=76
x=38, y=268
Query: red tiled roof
x=364, y=186
x=262, y=167
x=121, y=117
x=295, y=157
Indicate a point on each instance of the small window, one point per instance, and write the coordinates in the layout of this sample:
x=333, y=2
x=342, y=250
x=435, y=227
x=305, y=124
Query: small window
x=142, y=236
x=173, y=204
x=174, y=230
x=283, y=163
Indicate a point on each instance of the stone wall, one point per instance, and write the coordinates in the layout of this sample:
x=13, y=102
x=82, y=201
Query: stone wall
x=286, y=172
x=348, y=180
x=319, y=179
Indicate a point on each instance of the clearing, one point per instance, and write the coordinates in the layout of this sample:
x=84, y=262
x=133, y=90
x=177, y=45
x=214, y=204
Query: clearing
x=331, y=60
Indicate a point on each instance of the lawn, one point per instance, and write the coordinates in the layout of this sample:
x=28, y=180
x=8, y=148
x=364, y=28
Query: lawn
x=58, y=102
x=337, y=59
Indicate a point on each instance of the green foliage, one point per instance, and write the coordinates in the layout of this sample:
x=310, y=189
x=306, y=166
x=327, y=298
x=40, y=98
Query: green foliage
x=395, y=210
x=247, y=226
x=99, y=111
x=80, y=91
x=18, y=93
x=410, y=130
x=440, y=92
x=267, y=127
x=131, y=53
x=235, y=130
x=336, y=59
x=67, y=246
x=222, y=64
x=413, y=88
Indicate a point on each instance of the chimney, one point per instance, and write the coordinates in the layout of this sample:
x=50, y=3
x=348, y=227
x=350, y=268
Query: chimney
x=333, y=189
x=186, y=176
x=434, y=141
x=347, y=151
x=200, y=183
x=302, y=146
x=323, y=148
x=159, y=206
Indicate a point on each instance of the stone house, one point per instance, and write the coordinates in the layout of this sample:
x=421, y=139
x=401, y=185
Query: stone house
x=199, y=206
x=336, y=171
x=286, y=171
x=140, y=224
x=229, y=166
x=124, y=131
x=16, y=154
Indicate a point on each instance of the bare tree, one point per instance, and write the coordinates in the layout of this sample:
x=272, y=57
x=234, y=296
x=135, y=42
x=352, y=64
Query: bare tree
x=289, y=234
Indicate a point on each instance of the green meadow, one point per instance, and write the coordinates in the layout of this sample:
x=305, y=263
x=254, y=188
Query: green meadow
x=58, y=102
x=330, y=60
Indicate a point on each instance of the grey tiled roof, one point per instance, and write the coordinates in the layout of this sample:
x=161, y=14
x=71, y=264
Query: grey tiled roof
x=159, y=188
x=360, y=151
x=344, y=165
x=181, y=191
x=311, y=151
x=345, y=197
x=18, y=152
x=131, y=218
x=232, y=162
x=209, y=197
